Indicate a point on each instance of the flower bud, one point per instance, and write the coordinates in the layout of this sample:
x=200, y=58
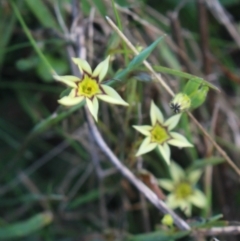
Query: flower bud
x=167, y=220
x=197, y=90
x=180, y=103
x=193, y=95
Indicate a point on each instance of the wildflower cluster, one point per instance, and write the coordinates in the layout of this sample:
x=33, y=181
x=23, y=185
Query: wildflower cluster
x=88, y=87
x=159, y=134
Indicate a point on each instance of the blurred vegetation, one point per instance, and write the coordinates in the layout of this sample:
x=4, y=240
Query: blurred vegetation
x=49, y=185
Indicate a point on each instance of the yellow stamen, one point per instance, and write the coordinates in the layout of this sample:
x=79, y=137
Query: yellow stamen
x=183, y=190
x=88, y=87
x=159, y=134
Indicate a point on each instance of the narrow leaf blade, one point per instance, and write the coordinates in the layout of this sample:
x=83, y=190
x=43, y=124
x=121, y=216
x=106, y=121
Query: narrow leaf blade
x=24, y=228
x=144, y=54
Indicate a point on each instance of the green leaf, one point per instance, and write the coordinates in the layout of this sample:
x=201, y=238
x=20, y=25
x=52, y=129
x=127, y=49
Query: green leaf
x=210, y=222
x=42, y=13
x=85, y=6
x=101, y=7
x=119, y=23
x=58, y=65
x=158, y=236
x=29, y=35
x=137, y=60
x=27, y=63
x=34, y=87
x=192, y=86
x=54, y=119
x=199, y=164
x=24, y=228
x=119, y=75
x=196, y=90
x=7, y=24
x=29, y=107
x=85, y=198
x=65, y=92
x=30, y=198
x=183, y=75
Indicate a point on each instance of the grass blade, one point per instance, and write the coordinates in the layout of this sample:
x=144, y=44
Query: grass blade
x=24, y=228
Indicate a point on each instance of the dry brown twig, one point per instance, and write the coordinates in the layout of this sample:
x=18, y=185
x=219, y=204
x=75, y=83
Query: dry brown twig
x=223, y=17
x=229, y=230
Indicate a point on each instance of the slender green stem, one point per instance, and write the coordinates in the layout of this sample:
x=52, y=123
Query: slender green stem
x=119, y=24
x=183, y=75
x=31, y=39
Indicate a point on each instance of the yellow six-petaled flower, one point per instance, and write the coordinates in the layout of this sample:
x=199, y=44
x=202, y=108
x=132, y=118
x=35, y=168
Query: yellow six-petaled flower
x=88, y=87
x=183, y=190
x=159, y=134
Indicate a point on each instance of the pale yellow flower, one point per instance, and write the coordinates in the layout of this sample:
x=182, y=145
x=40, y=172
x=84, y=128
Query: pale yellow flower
x=159, y=134
x=88, y=87
x=181, y=102
x=182, y=188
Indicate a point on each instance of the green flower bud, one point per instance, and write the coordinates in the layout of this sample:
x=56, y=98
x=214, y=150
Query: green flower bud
x=193, y=95
x=180, y=103
x=167, y=220
x=199, y=96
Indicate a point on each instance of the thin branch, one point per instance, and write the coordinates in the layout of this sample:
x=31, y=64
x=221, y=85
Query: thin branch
x=151, y=196
x=59, y=17
x=204, y=36
x=167, y=88
x=219, y=149
x=72, y=193
x=229, y=230
x=91, y=36
x=145, y=213
x=35, y=166
x=223, y=17
x=178, y=38
x=33, y=189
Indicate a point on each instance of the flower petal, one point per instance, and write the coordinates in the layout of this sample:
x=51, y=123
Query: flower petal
x=83, y=65
x=69, y=101
x=172, y=201
x=146, y=146
x=155, y=114
x=176, y=172
x=111, y=96
x=179, y=140
x=186, y=207
x=101, y=70
x=72, y=93
x=166, y=184
x=172, y=122
x=67, y=79
x=165, y=151
x=93, y=107
x=198, y=199
x=143, y=129
x=194, y=176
